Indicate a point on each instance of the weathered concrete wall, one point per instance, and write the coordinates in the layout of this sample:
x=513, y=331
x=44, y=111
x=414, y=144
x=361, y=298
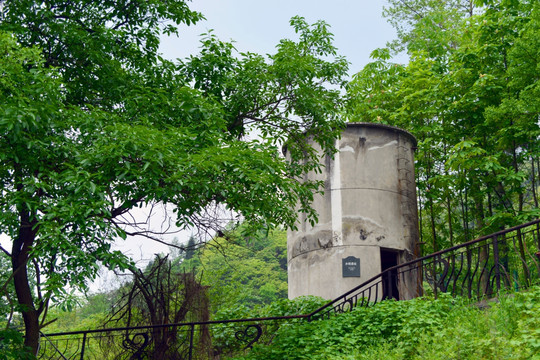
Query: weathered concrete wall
x=369, y=203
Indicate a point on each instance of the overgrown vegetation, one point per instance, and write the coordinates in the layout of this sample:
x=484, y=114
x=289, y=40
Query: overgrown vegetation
x=470, y=95
x=94, y=124
x=248, y=270
x=423, y=328
x=230, y=278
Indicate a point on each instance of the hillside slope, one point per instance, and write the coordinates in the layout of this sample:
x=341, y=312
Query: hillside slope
x=424, y=328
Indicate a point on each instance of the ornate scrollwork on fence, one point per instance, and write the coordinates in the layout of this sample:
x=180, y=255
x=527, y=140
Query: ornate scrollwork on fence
x=248, y=335
x=345, y=306
x=136, y=344
x=436, y=272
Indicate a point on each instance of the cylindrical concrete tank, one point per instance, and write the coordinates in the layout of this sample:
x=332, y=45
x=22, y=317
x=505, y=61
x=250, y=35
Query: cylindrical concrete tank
x=367, y=215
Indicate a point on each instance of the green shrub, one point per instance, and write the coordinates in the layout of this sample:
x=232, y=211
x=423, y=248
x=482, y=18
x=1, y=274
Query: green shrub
x=12, y=345
x=423, y=328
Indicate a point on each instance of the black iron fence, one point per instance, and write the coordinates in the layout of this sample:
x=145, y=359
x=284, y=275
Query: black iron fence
x=196, y=340
x=506, y=260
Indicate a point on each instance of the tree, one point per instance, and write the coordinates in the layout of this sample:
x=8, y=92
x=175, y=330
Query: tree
x=190, y=247
x=94, y=124
x=163, y=294
x=246, y=271
x=467, y=95
x=30, y=123
x=430, y=26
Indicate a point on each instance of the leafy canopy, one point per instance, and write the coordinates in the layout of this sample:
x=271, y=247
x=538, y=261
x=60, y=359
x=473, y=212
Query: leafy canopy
x=469, y=95
x=94, y=123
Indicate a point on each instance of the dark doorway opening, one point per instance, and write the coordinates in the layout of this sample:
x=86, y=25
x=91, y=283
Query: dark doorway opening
x=389, y=258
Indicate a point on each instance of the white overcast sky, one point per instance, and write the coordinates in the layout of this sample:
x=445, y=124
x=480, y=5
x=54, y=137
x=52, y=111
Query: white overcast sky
x=257, y=26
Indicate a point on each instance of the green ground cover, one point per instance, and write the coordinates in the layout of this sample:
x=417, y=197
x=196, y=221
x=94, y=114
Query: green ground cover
x=424, y=328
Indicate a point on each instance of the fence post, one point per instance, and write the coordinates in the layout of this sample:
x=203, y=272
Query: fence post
x=192, y=332
x=538, y=248
x=389, y=286
x=434, y=271
x=83, y=346
x=420, y=279
x=496, y=262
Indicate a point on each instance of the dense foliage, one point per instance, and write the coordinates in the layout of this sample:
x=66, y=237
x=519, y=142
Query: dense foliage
x=94, y=124
x=227, y=279
x=243, y=271
x=238, y=276
x=470, y=94
x=423, y=328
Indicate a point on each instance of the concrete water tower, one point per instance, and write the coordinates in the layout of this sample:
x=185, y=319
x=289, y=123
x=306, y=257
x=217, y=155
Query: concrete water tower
x=367, y=217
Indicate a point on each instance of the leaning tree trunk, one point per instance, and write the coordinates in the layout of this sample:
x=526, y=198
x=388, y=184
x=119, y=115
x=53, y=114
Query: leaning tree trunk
x=19, y=260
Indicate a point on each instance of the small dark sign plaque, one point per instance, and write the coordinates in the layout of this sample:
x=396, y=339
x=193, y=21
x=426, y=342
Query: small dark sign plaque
x=351, y=267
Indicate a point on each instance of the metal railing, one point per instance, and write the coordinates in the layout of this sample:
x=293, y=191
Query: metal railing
x=194, y=340
x=505, y=260
x=508, y=259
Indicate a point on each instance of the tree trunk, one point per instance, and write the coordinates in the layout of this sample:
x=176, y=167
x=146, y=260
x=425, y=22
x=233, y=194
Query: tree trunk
x=433, y=228
x=450, y=227
x=449, y=205
x=483, y=255
x=533, y=183
x=429, y=198
x=523, y=258
x=421, y=225
x=464, y=214
x=521, y=201
x=19, y=260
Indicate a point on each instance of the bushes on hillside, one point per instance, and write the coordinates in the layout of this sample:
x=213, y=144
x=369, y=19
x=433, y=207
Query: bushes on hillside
x=424, y=328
